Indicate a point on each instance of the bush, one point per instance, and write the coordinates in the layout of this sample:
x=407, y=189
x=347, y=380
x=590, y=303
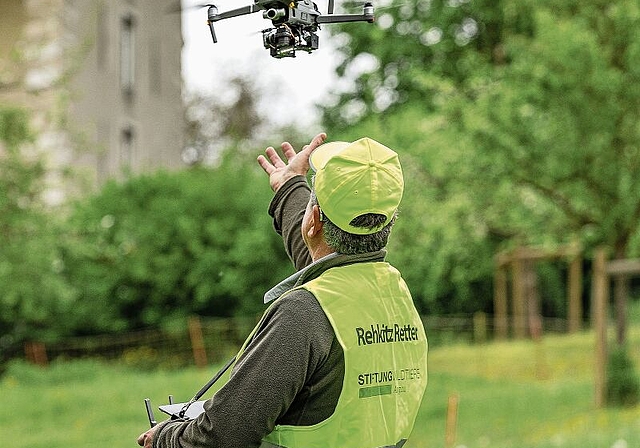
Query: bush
x=160, y=247
x=34, y=299
x=623, y=387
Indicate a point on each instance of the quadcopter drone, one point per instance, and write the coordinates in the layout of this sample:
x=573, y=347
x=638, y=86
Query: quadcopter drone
x=295, y=23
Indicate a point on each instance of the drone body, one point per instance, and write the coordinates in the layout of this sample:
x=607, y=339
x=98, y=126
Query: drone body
x=294, y=23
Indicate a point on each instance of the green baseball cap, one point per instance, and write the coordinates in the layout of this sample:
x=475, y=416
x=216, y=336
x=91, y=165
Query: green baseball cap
x=353, y=179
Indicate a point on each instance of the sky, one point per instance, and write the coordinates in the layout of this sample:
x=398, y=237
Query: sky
x=288, y=88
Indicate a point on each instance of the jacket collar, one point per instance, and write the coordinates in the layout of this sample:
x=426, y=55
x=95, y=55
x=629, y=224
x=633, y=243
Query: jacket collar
x=318, y=267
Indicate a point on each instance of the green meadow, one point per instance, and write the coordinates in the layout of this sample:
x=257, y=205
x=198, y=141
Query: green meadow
x=522, y=394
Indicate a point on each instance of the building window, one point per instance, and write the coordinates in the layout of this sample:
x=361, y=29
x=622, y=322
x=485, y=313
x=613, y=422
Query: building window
x=127, y=54
x=127, y=146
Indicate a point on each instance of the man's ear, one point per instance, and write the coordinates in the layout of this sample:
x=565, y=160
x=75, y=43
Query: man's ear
x=316, y=224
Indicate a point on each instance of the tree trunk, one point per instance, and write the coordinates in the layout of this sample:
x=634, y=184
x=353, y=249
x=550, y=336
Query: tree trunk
x=534, y=321
x=620, y=297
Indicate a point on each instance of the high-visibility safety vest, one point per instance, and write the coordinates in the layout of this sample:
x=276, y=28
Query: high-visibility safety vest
x=385, y=354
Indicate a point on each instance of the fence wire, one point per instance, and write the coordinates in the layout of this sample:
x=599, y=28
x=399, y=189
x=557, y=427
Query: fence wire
x=212, y=340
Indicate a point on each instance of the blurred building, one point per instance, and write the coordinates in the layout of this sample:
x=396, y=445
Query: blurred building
x=102, y=79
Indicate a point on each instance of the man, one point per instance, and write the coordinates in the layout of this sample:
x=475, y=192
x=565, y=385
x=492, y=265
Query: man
x=339, y=357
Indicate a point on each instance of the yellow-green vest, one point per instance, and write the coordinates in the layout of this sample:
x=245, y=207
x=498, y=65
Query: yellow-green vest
x=385, y=353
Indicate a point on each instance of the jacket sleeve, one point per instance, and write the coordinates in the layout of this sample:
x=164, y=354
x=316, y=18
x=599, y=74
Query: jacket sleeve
x=293, y=339
x=287, y=210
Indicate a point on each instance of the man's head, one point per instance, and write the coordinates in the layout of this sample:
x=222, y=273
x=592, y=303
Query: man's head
x=357, y=187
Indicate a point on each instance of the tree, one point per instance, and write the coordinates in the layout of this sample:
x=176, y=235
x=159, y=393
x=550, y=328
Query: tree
x=223, y=121
x=563, y=118
x=163, y=246
x=32, y=295
x=415, y=45
x=529, y=124
x=440, y=242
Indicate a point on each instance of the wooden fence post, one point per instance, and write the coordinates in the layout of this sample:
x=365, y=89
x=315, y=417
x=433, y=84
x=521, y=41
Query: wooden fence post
x=575, y=294
x=519, y=316
x=197, y=341
x=620, y=299
x=36, y=353
x=500, y=303
x=532, y=301
x=452, y=421
x=601, y=300
x=479, y=327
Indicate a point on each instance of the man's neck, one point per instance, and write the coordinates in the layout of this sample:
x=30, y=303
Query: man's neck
x=320, y=251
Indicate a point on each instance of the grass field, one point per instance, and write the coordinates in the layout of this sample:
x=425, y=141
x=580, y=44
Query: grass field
x=511, y=395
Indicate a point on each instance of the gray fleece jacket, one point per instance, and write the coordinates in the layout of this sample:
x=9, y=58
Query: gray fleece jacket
x=291, y=371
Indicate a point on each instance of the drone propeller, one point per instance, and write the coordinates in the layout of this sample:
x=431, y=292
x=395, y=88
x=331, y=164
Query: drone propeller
x=176, y=8
x=353, y=4
x=330, y=9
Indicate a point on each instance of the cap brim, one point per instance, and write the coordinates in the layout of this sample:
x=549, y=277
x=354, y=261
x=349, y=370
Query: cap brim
x=323, y=153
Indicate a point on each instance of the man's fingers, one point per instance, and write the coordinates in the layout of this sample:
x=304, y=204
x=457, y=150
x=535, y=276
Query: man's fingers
x=274, y=157
x=265, y=164
x=288, y=150
x=317, y=141
x=271, y=161
x=274, y=162
x=146, y=439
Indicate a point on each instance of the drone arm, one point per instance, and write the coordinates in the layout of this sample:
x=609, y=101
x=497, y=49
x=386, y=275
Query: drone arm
x=346, y=18
x=366, y=16
x=234, y=12
x=214, y=16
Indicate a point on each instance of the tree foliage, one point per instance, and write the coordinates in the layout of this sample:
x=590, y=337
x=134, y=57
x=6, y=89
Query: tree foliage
x=32, y=294
x=623, y=385
x=560, y=122
x=163, y=246
x=212, y=123
x=440, y=242
x=516, y=123
x=416, y=44
x=149, y=250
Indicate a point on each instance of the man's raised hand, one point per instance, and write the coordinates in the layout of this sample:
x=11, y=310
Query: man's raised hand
x=297, y=163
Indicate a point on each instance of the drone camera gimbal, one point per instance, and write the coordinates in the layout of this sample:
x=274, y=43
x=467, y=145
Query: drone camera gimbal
x=294, y=23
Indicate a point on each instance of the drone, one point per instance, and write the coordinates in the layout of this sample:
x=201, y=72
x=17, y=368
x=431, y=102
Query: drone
x=294, y=23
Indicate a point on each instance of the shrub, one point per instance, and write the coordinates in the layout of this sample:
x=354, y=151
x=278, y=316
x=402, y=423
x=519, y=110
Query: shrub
x=160, y=247
x=623, y=387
